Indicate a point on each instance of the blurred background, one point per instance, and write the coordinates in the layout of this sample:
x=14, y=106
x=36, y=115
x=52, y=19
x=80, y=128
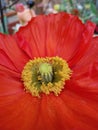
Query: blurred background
x=17, y=13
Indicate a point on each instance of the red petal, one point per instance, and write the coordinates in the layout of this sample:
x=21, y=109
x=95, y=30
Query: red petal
x=10, y=82
x=85, y=74
x=83, y=43
x=90, y=57
x=85, y=111
x=11, y=56
x=20, y=112
x=57, y=113
x=17, y=108
x=60, y=34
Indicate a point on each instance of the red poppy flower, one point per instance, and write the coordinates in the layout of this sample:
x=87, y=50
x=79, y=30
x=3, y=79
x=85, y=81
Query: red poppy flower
x=75, y=12
x=96, y=29
x=49, y=75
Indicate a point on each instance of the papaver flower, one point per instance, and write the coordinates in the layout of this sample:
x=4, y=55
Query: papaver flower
x=75, y=12
x=49, y=75
x=96, y=29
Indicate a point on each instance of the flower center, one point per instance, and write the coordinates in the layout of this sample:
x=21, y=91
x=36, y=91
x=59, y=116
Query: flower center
x=46, y=72
x=45, y=75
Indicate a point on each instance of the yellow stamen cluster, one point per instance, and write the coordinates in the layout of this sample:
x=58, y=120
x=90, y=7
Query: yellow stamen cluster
x=45, y=75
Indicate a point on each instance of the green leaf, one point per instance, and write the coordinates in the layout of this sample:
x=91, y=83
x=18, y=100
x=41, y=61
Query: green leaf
x=93, y=8
x=95, y=20
x=71, y=3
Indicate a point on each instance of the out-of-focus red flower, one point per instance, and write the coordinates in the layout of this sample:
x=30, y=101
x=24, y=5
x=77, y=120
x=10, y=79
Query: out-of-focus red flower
x=19, y=7
x=75, y=12
x=96, y=29
x=76, y=106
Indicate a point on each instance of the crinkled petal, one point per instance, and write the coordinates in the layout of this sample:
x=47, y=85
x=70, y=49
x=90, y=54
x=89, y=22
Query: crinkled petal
x=18, y=111
x=60, y=34
x=84, y=110
x=67, y=112
x=11, y=56
x=84, y=44
x=10, y=82
x=85, y=74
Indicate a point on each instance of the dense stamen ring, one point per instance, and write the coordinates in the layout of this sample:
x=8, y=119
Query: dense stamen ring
x=45, y=75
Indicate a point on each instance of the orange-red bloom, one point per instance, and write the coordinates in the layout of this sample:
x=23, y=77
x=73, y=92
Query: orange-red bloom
x=76, y=107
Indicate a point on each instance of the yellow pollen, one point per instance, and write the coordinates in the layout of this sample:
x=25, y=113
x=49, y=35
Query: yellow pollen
x=45, y=75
